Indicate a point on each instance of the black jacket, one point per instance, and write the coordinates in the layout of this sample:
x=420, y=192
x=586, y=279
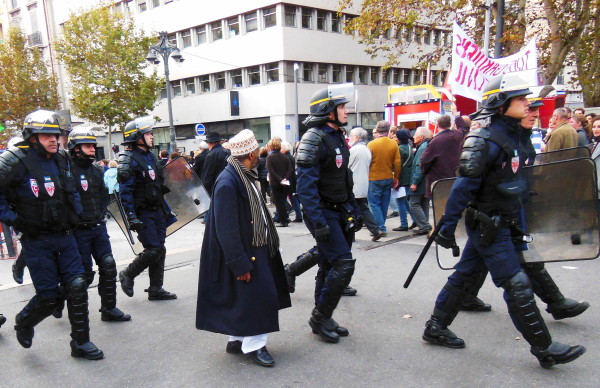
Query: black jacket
x=215, y=162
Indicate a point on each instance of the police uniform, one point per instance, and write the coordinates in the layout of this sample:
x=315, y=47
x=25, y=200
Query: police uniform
x=324, y=187
x=38, y=198
x=490, y=187
x=141, y=188
x=91, y=234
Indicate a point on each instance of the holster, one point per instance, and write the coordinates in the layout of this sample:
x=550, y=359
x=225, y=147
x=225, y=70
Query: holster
x=346, y=211
x=488, y=226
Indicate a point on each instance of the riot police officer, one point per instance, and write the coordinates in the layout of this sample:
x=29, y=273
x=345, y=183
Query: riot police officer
x=91, y=234
x=38, y=198
x=141, y=187
x=324, y=188
x=490, y=182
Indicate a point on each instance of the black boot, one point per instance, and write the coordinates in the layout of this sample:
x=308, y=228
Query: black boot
x=77, y=306
x=107, y=288
x=472, y=286
x=349, y=291
x=2, y=320
x=17, y=273
x=544, y=286
x=473, y=303
x=342, y=331
x=137, y=266
x=33, y=313
x=437, y=333
x=156, y=273
x=436, y=328
x=303, y=263
x=323, y=326
x=557, y=353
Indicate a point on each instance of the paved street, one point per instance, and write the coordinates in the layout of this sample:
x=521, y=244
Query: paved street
x=160, y=347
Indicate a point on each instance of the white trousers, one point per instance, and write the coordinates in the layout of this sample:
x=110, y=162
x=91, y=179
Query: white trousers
x=252, y=343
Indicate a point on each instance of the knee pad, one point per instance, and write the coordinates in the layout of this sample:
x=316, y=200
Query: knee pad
x=345, y=270
x=89, y=277
x=77, y=288
x=518, y=289
x=107, y=266
x=154, y=254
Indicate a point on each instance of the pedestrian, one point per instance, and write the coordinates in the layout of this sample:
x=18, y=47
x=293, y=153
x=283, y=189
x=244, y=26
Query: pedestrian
x=242, y=284
x=580, y=124
x=280, y=172
x=164, y=158
x=563, y=135
x=406, y=158
x=215, y=161
x=38, y=198
x=360, y=163
x=110, y=178
x=331, y=213
x=141, y=185
x=265, y=189
x=442, y=156
x=200, y=158
x=419, y=203
x=383, y=173
x=490, y=168
x=286, y=149
x=91, y=234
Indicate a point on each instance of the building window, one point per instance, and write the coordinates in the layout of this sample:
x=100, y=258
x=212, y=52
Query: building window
x=406, y=76
x=201, y=34
x=374, y=75
x=269, y=16
x=172, y=39
x=437, y=34
x=233, y=26
x=217, y=30
x=186, y=38
x=290, y=15
x=349, y=73
x=176, y=87
x=142, y=5
x=163, y=93
x=251, y=23
x=254, y=75
x=419, y=34
x=190, y=85
x=220, y=80
x=307, y=72
x=336, y=22
x=321, y=20
x=236, y=78
x=322, y=73
x=385, y=77
x=14, y=4
x=336, y=73
x=416, y=77
x=362, y=75
x=204, y=83
x=408, y=33
x=272, y=72
x=427, y=36
x=307, y=18
x=155, y=3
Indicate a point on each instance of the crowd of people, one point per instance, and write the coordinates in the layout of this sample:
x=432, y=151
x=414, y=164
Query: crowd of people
x=335, y=181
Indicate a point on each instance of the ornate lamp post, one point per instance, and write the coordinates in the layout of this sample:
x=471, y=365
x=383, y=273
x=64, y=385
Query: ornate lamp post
x=165, y=49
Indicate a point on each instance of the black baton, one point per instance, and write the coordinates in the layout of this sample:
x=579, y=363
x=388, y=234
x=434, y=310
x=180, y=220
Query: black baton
x=423, y=253
x=124, y=216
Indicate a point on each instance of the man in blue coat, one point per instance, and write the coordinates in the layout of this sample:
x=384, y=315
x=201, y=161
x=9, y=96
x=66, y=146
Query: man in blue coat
x=242, y=284
x=419, y=202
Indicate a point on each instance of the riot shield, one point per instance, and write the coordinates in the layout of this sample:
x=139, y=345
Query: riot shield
x=187, y=198
x=561, y=213
x=564, y=154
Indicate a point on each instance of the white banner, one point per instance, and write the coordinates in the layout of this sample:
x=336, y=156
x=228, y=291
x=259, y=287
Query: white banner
x=471, y=69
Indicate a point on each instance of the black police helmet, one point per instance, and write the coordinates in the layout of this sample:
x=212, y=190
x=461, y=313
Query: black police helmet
x=502, y=88
x=41, y=121
x=136, y=128
x=77, y=137
x=323, y=102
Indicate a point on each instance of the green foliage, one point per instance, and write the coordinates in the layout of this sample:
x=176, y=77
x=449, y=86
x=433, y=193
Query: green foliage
x=26, y=83
x=108, y=83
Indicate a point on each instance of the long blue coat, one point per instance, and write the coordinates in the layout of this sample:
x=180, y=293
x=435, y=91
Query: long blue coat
x=225, y=304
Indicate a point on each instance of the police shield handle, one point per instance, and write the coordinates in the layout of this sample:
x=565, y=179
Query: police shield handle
x=124, y=217
x=430, y=240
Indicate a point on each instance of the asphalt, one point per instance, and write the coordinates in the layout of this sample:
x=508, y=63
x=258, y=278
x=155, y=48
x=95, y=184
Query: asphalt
x=160, y=346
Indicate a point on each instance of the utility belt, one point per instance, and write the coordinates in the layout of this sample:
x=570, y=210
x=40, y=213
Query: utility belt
x=346, y=211
x=489, y=225
x=89, y=225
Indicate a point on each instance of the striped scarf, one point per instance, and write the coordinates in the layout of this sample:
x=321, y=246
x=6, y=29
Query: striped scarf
x=259, y=237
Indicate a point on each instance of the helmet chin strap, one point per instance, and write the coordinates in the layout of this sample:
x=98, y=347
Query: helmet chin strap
x=336, y=120
x=39, y=147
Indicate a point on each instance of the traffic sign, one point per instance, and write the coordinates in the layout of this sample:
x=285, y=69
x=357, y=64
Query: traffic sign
x=200, y=129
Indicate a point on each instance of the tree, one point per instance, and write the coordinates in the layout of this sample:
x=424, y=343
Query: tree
x=26, y=84
x=586, y=58
x=108, y=82
x=558, y=26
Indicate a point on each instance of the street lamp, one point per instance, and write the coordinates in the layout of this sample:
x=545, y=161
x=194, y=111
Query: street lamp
x=296, y=124
x=165, y=49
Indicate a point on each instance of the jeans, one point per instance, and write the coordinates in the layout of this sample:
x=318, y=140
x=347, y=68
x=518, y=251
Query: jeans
x=379, y=200
x=419, y=206
x=367, y=216
x=404, y=211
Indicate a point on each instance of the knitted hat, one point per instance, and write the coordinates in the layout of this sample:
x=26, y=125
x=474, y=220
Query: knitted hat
x=243, y=143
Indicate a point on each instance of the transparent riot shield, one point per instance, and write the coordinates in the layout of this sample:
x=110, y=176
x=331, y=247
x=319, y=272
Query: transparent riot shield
x=565, y=154
x=187, y=198
x=560, y=213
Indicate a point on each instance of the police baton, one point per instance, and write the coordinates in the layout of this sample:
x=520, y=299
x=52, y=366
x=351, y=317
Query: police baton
x=436, y=230
x=124, y=217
